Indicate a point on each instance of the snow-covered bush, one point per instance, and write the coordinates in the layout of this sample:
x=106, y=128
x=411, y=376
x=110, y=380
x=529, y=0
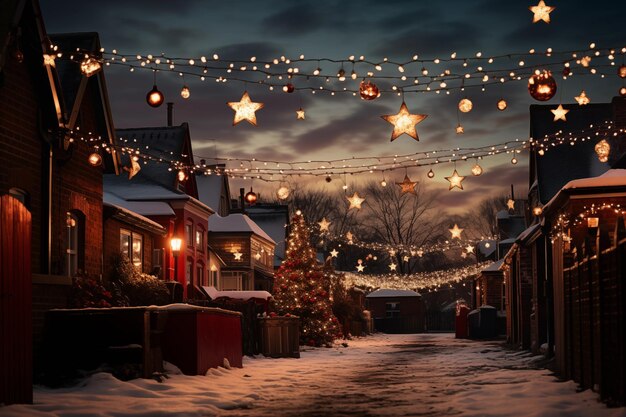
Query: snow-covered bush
x=136, y=288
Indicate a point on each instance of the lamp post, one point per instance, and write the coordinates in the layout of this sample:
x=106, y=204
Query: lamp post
x=175, y=244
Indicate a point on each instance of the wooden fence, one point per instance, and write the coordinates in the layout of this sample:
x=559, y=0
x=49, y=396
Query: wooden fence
x=594, y=334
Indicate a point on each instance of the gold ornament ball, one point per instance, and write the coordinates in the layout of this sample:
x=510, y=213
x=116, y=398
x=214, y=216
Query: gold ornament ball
x=477, y=170
x=283, y=193
x=368, y=90
x=621, y=71
x=95, y=159
x=154, y=97
x=251, y=197
x=542, y=86
x=431, y=174
x=603, y=150
x=184, y=92
x=622, y=91
x=466, y=105
x=502, y=104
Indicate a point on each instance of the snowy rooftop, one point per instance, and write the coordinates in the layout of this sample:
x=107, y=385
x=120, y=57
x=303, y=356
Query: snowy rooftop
x=236, y=222
x=494, y=266
x=144, y=208
x=611, y=178
x=384, y=292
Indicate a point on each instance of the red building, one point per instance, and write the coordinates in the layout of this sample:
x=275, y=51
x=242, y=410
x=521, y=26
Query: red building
x=396, y=311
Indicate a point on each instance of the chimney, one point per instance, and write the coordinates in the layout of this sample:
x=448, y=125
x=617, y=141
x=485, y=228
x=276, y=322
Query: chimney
x=170, y=111
x=242, y=200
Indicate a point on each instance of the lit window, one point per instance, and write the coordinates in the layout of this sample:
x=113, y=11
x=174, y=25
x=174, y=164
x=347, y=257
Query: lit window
x=189, y=271
x=200, y=239
x=131, y=245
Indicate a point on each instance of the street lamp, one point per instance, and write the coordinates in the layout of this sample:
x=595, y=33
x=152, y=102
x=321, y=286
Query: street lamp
x=175, y=244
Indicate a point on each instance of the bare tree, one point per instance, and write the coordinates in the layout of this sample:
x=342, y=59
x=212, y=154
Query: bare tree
x=481, y=222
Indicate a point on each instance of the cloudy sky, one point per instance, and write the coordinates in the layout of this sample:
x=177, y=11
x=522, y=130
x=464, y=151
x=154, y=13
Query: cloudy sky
x=342, y=126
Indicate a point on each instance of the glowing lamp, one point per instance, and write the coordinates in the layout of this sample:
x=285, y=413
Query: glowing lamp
x=592, y=222
x=502, y=104
x=251, y=197
x=184, y=92
x=537, y=211
x=89, y=66
x=603, y=149
x=368, y=90
x=621, y=71
x=542, y=86
x=95, y=159
x=477, y=170
x=466, y=105
x=155, y=98
x=175, y=244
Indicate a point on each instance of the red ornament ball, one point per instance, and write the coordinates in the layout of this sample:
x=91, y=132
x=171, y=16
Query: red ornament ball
x=289, y=88
x=368, y=90
x=567, y=71
x=621, y=71
x=542, y=86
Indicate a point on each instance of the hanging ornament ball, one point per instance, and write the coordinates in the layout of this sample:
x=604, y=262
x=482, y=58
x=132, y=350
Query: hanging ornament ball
x=431, y=174
x=282, y=193
x=514, y=161
x=289, y=88
x=567, y=71
x=466, y=105
x=328, y=178
x=383, y=183
x=621, y=71
x=603, y=150
x=622, y=91
x=542, y=86
x=368, y=90
x=95, y=159
x=477, y=170
x=154, y=97
x=250, y=197
x=184, y=92
x=502, y=104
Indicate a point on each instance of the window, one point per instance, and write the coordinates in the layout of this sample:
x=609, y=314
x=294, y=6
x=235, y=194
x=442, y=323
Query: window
x=200, y=239
x=73, y=224
x=392, y=310
x=189, y=271
x=232, y=281
x=199, y=274
x=213, y=276
x=131, y=245
x=189, y=234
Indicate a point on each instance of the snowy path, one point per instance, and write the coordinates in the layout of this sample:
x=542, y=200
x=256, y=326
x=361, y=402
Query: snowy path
x=382, y=375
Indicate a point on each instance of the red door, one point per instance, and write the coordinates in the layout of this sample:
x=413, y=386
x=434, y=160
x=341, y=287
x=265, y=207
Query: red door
x=16, y=361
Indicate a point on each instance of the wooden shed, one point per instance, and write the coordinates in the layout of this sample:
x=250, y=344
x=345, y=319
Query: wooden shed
x=396, y=311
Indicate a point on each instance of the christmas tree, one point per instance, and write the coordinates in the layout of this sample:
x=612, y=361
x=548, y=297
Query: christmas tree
x=302, y=288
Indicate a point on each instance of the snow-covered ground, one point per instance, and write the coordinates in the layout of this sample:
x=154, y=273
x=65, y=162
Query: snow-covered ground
x=381, y=375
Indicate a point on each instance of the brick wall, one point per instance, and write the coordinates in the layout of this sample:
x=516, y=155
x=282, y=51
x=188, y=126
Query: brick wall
x=111, y=243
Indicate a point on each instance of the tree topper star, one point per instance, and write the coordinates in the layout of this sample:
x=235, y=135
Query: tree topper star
x=407, y=186
x=582, y=99
x=245, y=109
x=541, y=12
x=392, y=266
x=355, y=201
x=456, y=231
x=404, y=122
x=559, y=113
x=334, y=253
x=459, y=129
x=455, y=180
x=300, y=114
x=324, y=225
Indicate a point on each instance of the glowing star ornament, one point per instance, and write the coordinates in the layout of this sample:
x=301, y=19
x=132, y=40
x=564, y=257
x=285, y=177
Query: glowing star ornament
x=334, y=253
x=360, y=268
x=541, y=12
x=404, y=122
x=405, y=258
x=466, y=105
x=300, y=114
x=456, y=231
x=238, y=256
x=469, y=249
x=355, y=201
x=459, y=129
x=510, y=204
x=245, y=109
x=603, y=150
x=407, y=186
x=455, y=180
x=477, y=170
x=392, y=266
x=133, y=169
x=559, y=113
x=582, y=99
x=324, y=224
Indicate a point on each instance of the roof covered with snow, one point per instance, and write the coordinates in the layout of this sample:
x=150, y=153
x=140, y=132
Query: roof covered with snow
x=144, y=208
x=494, y=267
x=210, y=190
x=236, y=222
x=384, y=292
x=611, y=178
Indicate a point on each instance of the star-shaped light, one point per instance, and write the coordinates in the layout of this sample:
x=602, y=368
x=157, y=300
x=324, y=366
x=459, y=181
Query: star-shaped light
x=349, y=236
x=404, y=122
x=459, y=129
x=334, y=253
x=469, y=249
x=392, y=266
x=541, y=12
x=245, y=109
x=300, y=114
x=559, y=113
x=405, y=258
x=582, y=99
x=456, y=232
x=324, y=225
x=455, y=180
x=510, y=204
x=420, y=253
x=133, y=169
x=237, y=255
x=355, y=201
x=360, y=268
x=407, y=186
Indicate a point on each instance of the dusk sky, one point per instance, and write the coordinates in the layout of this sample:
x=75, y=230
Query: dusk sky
x=342, y=125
